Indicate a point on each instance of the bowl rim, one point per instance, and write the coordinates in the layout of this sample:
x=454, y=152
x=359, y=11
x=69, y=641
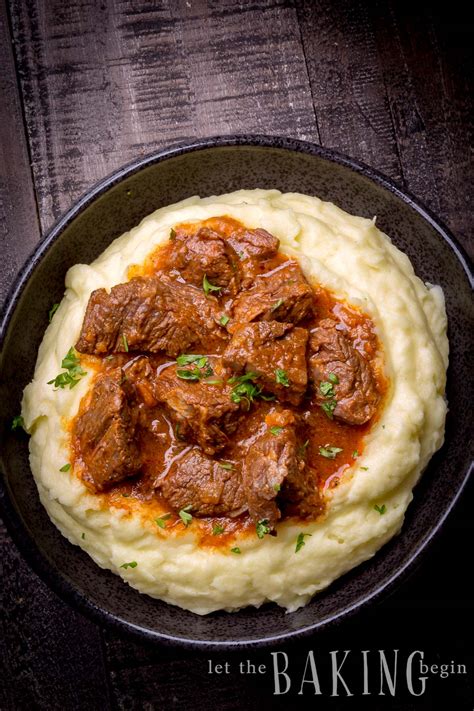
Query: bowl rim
x=27, y=546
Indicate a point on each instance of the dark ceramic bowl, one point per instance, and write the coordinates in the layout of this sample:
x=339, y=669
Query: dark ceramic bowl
x=118, y=203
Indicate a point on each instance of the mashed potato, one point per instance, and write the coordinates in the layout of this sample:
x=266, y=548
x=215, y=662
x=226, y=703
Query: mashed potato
x=346, y=254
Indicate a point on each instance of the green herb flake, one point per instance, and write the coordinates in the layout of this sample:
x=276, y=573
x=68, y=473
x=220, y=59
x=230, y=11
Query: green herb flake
x=172, y=234
x=125, y=342
x=328, y=408
x=333, y=378
x=193, y=374
x=262, y=527
x=282, y=378
x=226, y=465
x=199, y=360
x=83, y=536
x=185, y=516
x=300, y=541
x=365, y=468
x=276, y=430
x=276, y=487
x=213, y=382
x=52, y=311
x=326, y=388
x=236, y=550
x=329, y=452
x=133, y=564
x=208, y=287
x=276, y=305
x=73, y=373
x=380, y=509
x=224, y=320
x=161, y=521
x=18, y=423
x=217, y=529
x=355, y=454
x=126, y=496
x=244, y=388
x=65, y=468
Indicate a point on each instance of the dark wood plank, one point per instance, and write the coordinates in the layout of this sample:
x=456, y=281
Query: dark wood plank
x=347, y=82
x=106, y=82
x=19, y=227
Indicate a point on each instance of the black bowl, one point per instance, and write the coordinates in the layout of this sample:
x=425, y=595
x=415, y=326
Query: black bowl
x=214, y=166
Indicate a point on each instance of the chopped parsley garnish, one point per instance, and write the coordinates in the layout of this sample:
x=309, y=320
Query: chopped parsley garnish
x=333, y=378
x=276, y=430
x=300, y=541
x=52, y=311
x=365, y=468
x=199, y=360
x=185, y=516
x=208, y=287
x=355, y=454
x=236, y=550
x=161, y=521
x=73, y=373
x=326, y=388
x=328, y=408
x=213, y=382
x=217, y=529
x=65, y=468
x=276, y=305
x=262, y=527
x=329, y=452
x=224, y=320
x=276, y=487
x=133, y=564
x=125, y=342
x=18, y=423
x=380, y=509
x=226, y=465
x=201, y=368
x=302, y=448
x=282, y=378
x=126, y=496
x=172, y=234
x=83, y=535
x=244, y=388
x=194, y=374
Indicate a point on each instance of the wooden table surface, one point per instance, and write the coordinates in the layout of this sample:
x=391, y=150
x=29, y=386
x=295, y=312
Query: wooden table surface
x=87, y=86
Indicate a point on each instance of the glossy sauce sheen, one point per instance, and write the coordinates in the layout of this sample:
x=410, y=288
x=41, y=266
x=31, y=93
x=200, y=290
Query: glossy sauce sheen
x=160, y=444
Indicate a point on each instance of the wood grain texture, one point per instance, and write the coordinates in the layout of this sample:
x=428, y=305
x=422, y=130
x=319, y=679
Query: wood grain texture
x=19, y=226
x=106, y=82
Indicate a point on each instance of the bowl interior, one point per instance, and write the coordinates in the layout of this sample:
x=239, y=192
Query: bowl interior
x=83, y=236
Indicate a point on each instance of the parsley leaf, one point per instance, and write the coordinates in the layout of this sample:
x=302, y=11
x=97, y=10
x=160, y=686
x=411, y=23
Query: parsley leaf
x=236, y=550
x=276, y=305
x=282, y=378
x=262, y=527
x=333, y=378
x=18, y=423
x=208, y=287
x=380, y=509
x=217, y=529
x=52, y=311
x=161, y=521
x=276, y=430
x=245, y=389
x=125, y=342
x=300, y=541
x=302, y=448
x=185, y=359
x=355, y=454
x=172, y=234
x=326, y=388
x=226, y=465
x=65, y=468
x=133, y=564
x=365, y=468
x=224, y=320
x=276, y=487
x=329, y=452
x=73, y=373
x=328, y=408
x=83, y=535
x=186, y=517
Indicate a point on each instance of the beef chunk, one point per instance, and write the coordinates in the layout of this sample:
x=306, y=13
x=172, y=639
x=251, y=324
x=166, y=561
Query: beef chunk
x=276, y=352
x=254, y=243
x=280, y=295
x=106, y=433
x=152, y=314
x=356, y=392
x=200, y=482
x=270, y=460
x=205, y=253
x=204, y=412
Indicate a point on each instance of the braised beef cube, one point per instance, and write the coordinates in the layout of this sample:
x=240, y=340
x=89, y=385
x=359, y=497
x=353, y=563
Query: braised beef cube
x=205, y=254
x=280, y=295
x=209, y=488
x=152, y=314
x=202, y=408
x=276, y=352
x=344, y=383
x=270, y=460
x=140, y=376
x=106, y=433
x=300, y=493
x=254, y=243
